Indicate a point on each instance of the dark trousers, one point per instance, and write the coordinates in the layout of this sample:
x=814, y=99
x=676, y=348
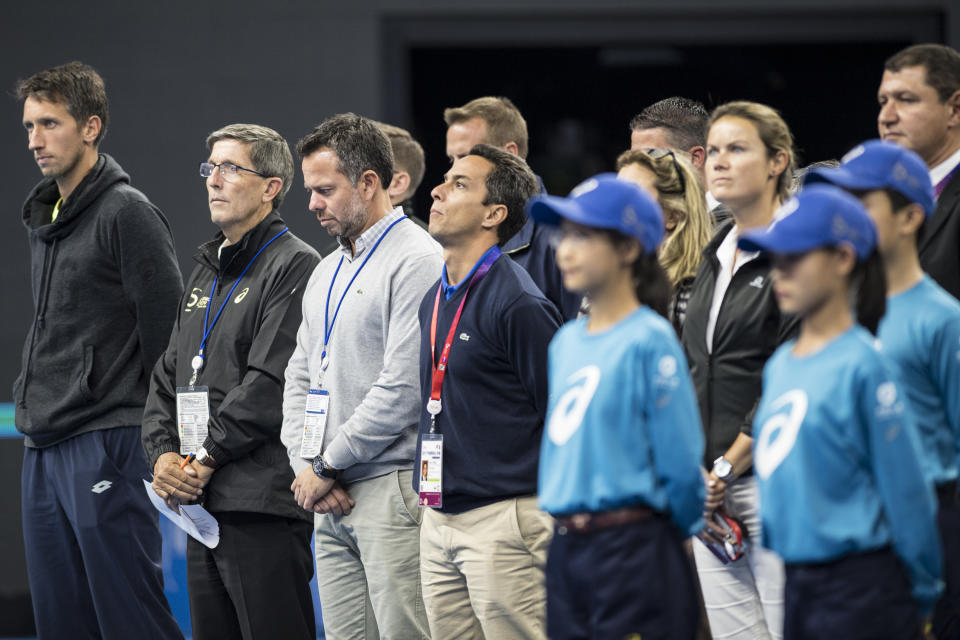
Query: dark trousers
x=946, y=614
x=256, y=583
x=92, y=540
x=620, y=582
x=864, y=596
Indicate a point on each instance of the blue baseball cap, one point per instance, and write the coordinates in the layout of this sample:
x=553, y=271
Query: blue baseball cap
x=881, y=165
x=606, y=202
x=819, y=216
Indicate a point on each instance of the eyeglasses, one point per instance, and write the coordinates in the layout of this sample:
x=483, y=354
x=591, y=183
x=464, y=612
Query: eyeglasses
x=228, y=170
x=662, y=152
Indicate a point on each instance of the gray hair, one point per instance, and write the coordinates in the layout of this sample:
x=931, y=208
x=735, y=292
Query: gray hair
x=269, y=152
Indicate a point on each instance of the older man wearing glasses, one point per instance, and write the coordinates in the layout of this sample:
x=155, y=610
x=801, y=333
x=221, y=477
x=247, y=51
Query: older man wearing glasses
x=211, y=427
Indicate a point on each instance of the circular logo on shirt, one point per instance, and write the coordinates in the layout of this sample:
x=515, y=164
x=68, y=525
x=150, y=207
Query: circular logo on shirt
x=887, y=394
x=667, y=366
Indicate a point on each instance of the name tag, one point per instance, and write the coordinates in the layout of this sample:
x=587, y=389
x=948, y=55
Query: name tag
x=430, y=468
x=314, y=423
x=193, y=414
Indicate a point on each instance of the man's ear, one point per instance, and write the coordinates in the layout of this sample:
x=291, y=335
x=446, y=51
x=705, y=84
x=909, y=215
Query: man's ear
x=954, y=103
x=495, y=216
x=91, y=129
x=274, y=186
x=399, y=185
x=698, y=155
x=368, y=184
x=911, y=218
x=511, y=147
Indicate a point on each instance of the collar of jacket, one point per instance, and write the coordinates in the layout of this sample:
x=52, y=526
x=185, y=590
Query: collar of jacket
x=236, y=256
x=710, y=251
x=36, y=210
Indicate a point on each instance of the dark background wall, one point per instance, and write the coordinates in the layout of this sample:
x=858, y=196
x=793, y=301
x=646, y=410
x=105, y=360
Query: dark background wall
x=578, y=69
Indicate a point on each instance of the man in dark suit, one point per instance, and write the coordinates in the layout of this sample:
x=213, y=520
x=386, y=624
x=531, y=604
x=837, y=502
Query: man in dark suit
x=919, y=100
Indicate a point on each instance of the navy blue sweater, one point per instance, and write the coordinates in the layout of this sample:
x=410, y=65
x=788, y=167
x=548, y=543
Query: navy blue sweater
x=495, y=390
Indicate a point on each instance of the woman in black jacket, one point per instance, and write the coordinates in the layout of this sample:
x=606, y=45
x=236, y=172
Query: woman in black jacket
x=733, y=325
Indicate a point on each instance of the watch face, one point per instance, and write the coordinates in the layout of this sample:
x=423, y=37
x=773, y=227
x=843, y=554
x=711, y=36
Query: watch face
x=722, y=468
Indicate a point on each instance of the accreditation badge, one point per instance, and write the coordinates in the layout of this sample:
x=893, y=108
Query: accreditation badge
x=314, y=423
x=193, y=414
x=430, y=468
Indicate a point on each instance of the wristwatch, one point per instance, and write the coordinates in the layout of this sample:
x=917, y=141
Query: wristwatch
x=204, y=458
x=324, y=470
x=723, y=469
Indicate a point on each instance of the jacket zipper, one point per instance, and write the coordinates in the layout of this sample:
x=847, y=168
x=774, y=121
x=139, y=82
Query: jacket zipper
x=45, y=276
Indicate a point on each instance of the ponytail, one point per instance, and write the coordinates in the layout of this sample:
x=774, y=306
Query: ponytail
x=653, y=284
x=869, y=291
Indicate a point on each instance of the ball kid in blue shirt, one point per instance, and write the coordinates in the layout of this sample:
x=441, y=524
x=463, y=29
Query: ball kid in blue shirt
x=620, y=460
x=920, y=332
x=844, y=499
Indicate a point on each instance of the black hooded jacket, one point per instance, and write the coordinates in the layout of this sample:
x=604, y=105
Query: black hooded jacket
x=105, y=285
x=729, y=379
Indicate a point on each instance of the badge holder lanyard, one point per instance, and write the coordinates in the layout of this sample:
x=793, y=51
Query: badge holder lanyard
x=318, y=399
x=431, y=444
x=193, y=402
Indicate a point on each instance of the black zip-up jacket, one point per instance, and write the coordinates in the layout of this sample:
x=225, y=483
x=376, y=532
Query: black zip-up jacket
x=749, y=329
x=105, y=281
x=245, y=358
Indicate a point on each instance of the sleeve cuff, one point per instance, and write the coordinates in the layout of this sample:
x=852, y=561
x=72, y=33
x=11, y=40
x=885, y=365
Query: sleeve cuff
x=219, y=454
x=338, y=454
x=299, y=464
x=159, y=450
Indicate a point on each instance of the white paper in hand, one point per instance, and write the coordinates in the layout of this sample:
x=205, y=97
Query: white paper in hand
x=194, y=519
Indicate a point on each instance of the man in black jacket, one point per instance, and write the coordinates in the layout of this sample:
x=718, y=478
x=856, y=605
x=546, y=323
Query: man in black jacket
x=919, y=99
x=105, y=279
x=235, y=331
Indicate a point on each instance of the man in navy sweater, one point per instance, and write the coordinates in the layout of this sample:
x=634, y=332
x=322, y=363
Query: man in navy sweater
x=483, y=372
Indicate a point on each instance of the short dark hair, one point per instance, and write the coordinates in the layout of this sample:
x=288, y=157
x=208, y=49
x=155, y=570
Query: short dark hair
x=684, y=120
x=941, y=63
x=76, y=85
x=358, y=144
x=407, y=154
x=510, y=183
x=505, y=123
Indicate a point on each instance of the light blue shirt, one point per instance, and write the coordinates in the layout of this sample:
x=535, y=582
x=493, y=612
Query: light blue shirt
x=921, y=334
x=836, y=455
x=622, y=422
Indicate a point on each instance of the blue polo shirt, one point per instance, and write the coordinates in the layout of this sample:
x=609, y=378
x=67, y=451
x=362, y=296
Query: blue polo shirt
x=494, y=393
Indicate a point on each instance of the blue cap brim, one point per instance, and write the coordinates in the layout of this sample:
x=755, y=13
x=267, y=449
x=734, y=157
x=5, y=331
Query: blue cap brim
x=553, y=210
x=776, y=241
x=844, y=178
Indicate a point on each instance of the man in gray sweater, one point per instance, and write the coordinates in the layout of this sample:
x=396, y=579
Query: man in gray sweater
x=351, y=400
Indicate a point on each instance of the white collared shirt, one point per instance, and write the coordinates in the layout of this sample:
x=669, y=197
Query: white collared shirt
x=726, y=254
x=943, y=169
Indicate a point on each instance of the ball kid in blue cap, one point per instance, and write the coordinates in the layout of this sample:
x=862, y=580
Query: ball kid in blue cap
x=881, y=165
x=611, y=230
x=824, y=246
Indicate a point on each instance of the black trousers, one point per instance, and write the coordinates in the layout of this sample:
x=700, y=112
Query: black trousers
x=256, y=583
x=864, y=596
x=620, y=582
x=946, y=614
x=92, y=540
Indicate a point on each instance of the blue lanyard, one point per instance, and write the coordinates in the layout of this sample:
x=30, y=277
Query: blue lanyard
x=327, y=323
x=197, y=362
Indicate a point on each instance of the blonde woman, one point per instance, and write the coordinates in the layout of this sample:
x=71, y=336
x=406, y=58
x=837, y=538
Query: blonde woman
x=733, y=326
x=672, y=180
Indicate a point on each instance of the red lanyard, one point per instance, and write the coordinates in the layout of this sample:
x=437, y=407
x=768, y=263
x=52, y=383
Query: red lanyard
x=440, y=368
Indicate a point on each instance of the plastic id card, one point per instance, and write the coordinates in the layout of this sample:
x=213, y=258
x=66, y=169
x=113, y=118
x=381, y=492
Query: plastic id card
x=431, y=470
x=314, y=423
x=193, y=414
